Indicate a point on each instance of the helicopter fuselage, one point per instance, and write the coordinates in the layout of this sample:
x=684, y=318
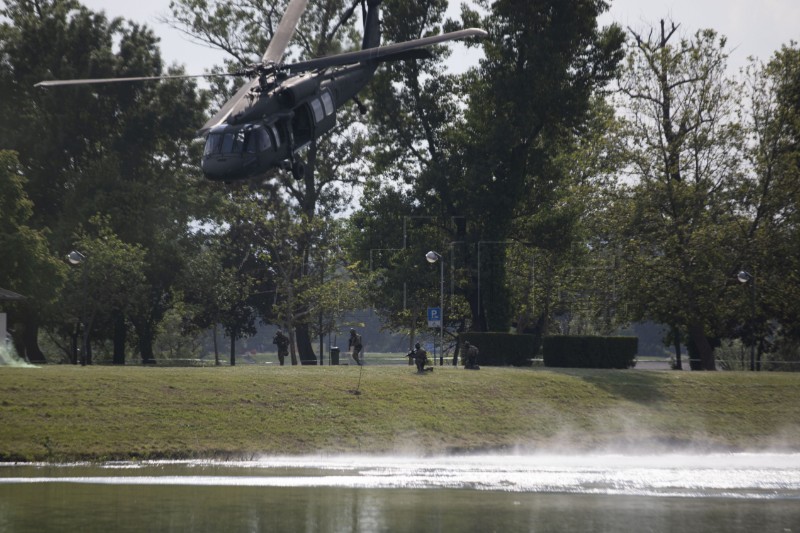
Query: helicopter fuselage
x=284, y=108
x=278, y=120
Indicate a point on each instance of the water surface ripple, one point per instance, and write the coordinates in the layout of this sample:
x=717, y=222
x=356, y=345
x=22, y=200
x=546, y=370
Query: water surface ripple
x=734, y=475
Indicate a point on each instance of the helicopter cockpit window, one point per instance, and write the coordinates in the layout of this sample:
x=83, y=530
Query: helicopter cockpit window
x=327, y=103
x=213, y=144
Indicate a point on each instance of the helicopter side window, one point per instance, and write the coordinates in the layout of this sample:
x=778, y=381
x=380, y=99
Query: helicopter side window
x=316, y=106
x=258, y=140
x=234, y=142
x=239, y=142
x=263, y=140
x=276, y=135
x=327, y=103
x=251, y=142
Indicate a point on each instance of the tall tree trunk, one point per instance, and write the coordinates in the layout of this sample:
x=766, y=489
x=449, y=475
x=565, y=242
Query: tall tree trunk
x=703, y=354
x=304, y=346
x=146, y=344
x=216, y=347
x=233, y=350
x=676, y=338
x=74, y=336
x=26, y=342
x=120, y=338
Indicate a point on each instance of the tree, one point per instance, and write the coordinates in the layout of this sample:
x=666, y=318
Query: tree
x=243, y=30
x=28, y=266
x=684, y=142
x=770, y=195
x=120, y=150
x=572, y=245
x=414, y=115
x=474, y=152
x=109, y=281
x=544, y=61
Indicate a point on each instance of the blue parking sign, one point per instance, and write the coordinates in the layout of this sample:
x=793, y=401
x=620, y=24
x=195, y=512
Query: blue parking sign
x=434, y=317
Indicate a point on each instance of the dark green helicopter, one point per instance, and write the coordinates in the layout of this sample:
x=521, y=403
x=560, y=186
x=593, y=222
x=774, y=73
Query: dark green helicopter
x=284, y=108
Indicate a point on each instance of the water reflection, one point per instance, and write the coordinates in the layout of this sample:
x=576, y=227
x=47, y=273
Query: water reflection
x=723, y=492
x=755, y=476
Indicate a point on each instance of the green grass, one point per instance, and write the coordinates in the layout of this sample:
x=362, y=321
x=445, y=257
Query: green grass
x=59, y=413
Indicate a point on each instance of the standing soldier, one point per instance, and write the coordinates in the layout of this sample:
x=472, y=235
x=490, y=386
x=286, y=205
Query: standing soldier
x=282, y=342
x=356, y=347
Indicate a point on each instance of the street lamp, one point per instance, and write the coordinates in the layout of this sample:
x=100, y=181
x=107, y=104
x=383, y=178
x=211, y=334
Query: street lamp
x=75, y=258
x=745, y=277
x=432, y=257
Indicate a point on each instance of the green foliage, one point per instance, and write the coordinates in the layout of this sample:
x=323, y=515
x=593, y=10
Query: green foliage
x=569, y=351
x=478, y=153
x=680, y=239
x=770, y=195
x=110, y=280
x=27, y=266
x=120, y=150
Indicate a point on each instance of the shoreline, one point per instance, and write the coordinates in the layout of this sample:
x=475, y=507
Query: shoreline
x=62, y=414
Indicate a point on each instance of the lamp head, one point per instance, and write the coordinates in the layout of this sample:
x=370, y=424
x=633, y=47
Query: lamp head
x=744, y=276
x=432, y=257
x=75, y=257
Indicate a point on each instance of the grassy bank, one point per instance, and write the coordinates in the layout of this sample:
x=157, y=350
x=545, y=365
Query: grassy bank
x=58, y=413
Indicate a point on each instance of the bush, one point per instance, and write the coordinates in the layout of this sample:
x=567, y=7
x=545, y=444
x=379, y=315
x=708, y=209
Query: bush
x=500, y=349
x=590, y=352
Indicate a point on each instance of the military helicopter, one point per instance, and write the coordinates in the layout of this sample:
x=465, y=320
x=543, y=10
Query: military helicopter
x=284, y=108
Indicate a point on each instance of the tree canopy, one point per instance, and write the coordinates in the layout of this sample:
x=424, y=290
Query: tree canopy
x=577, y=179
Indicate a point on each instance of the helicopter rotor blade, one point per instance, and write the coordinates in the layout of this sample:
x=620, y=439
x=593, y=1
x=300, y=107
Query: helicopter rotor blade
x=228, y=107
x=285, y=31
x=382, y=53
x=95, y=81
x=275, y=50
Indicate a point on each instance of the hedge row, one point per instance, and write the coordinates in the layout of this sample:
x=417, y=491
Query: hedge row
x=590, y=352
x=499, y=349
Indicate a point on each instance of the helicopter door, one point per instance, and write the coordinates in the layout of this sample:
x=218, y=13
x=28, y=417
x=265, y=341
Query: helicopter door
x=302, y=126
x=258, y=140
x=324, y=113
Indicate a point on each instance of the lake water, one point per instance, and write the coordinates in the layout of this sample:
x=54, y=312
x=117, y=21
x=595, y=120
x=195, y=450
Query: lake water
x=504, y=493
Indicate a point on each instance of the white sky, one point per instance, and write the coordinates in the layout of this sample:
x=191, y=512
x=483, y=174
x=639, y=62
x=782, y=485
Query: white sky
x=753, y=27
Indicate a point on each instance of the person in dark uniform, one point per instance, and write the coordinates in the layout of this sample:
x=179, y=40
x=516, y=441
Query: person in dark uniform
x=282, y=342
x=470, y=356
x=420, y=357
x=356, y=346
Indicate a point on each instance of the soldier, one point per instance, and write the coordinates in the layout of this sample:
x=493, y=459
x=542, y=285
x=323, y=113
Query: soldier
x=356, y=347
x=420, y=357
x=470, y=356
x=282, y=342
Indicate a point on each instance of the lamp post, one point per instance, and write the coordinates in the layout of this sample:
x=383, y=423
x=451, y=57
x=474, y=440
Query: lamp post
x=432, y=257
x=75, y=258
x=745, y=277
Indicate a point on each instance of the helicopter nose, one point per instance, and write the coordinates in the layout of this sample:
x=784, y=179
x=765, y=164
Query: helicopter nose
x=227, y=167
